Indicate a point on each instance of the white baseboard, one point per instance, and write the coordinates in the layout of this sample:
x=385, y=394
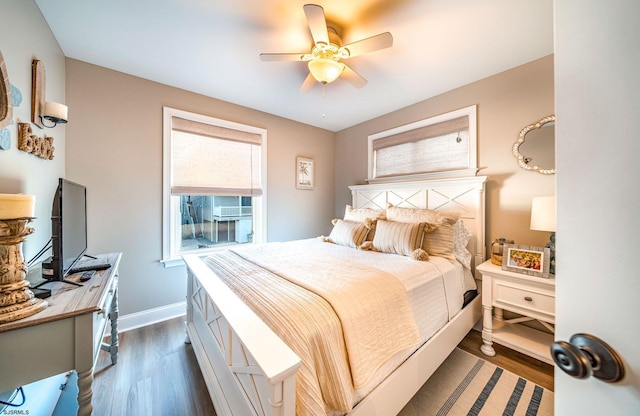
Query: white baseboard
x=150, y=316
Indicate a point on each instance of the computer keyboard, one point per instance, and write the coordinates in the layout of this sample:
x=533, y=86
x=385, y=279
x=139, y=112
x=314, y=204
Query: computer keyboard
x=89, y=265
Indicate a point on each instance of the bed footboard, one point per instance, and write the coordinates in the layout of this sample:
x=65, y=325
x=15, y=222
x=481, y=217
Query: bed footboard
x=248, y=369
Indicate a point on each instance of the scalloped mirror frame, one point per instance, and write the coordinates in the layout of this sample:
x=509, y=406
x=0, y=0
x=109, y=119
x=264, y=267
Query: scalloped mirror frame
x=6, y=107
x=522, y=159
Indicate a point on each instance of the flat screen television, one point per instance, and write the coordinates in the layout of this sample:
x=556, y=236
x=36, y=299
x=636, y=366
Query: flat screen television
x=68, y=230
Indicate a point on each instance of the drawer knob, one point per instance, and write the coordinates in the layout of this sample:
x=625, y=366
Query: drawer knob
x=586, y=355
x=528, y=298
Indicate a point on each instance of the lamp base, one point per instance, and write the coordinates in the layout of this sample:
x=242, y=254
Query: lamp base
x=22, y=310
x=551, y=245
x=16, y=299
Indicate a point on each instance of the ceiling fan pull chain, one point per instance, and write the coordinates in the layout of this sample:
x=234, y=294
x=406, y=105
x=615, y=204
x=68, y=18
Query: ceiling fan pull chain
x=323, y=114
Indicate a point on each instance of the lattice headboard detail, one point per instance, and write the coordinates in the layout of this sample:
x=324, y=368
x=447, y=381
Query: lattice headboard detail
x=463, y=195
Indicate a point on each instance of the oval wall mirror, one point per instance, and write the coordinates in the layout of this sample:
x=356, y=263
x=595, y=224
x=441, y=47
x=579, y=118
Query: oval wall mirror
x=5, y=95
x=535, y=147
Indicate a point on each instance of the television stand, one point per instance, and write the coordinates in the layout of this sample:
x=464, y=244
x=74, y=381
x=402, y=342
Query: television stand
x=67, y=335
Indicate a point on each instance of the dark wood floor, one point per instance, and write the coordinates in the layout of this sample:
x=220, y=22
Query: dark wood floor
x=520, y=364
x=157, y=373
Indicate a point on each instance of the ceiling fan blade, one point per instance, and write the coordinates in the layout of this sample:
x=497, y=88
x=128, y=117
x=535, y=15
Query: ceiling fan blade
x=374, y=43
x=353, y=77
x=308, y=83
x=274, y=57
x=317, y=23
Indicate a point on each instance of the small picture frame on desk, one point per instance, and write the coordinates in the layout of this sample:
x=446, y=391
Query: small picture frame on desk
x=533, y=261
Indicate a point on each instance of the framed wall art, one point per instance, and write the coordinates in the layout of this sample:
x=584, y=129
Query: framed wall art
x=533, y=261
x=304, y=173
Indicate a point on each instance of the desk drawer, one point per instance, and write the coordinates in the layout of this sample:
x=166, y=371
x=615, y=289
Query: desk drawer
x=537, y=303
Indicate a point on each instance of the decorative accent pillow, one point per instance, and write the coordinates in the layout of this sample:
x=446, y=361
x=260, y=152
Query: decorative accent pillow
x=348, y=233
x=361, y=214
x=438, y=242
x=462, y=235
x=398, y=238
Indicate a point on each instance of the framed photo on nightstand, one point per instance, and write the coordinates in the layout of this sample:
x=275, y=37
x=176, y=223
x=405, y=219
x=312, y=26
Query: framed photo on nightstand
x=533, y=261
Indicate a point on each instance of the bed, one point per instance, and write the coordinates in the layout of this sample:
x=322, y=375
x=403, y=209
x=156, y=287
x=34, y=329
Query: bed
x=244, y=340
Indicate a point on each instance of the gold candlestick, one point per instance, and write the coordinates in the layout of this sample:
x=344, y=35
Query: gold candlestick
x=16, y=300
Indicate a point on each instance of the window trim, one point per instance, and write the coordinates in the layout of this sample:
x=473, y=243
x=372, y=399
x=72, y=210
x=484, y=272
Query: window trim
x=473, y=145
x=260, y=204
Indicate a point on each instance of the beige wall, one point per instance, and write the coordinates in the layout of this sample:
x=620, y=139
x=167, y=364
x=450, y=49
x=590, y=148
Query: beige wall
x=113, y=145
x=115, y=149
x=25, y=36
x=506, y=103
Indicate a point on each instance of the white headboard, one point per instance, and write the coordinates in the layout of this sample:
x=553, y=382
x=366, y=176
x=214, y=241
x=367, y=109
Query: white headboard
x=463, y=195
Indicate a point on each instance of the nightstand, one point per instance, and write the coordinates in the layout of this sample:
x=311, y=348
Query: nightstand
x=530, y=296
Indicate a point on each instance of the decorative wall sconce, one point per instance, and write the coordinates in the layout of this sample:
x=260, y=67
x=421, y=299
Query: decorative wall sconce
x=54, y=112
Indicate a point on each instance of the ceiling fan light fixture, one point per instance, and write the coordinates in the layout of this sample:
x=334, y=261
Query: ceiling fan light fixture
x=325, y=70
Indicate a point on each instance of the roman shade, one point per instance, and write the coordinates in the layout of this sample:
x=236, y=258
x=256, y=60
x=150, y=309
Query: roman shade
x=214, y=160
x=432, y=148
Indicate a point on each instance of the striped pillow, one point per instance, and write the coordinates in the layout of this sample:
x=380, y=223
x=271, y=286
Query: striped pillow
x=398, y=238
x=348, y=233
x=440, y=241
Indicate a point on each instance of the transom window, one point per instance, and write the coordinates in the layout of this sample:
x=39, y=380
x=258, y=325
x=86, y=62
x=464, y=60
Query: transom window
x=441, y=145
x=214, y=176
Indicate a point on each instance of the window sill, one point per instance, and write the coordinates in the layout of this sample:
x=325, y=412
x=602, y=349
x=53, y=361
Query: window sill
x=177, y=260
x=172, y=262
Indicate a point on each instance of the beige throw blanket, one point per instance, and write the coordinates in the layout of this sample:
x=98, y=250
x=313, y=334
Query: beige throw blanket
x=305, y=322
x=372, y=305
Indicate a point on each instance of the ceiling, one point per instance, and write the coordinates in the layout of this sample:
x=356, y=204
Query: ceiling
x=212, y=47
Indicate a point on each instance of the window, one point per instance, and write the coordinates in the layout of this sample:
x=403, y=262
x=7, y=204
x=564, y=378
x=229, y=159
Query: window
x=213, y=184
x=441, y=145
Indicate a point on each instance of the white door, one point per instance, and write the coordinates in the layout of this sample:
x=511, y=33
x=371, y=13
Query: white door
x=597, y=78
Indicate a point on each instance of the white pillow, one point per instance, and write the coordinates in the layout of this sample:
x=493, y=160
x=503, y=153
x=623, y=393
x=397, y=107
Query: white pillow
x=462, y=236
x=362, y=214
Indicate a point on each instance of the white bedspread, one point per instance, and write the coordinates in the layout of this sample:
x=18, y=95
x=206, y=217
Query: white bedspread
x=435, y=288
x=372, y=304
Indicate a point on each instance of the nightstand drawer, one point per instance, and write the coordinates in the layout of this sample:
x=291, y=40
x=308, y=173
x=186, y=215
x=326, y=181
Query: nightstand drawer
x=539, y=304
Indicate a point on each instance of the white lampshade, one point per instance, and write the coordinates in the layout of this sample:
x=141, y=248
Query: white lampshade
x=543, y=213
x=56, y=112
x=325, y=70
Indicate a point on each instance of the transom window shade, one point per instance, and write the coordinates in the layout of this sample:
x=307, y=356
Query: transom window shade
x=438, y=147
x=438, y=154
x=214, y=160
x=422, y=133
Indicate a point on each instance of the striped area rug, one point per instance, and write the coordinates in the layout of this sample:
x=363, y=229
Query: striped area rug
x=467, y=385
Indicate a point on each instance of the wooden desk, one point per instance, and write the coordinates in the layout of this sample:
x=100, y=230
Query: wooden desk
x=67, y=335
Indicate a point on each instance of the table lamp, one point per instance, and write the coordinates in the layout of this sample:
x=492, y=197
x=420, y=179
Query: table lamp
x=543, y=218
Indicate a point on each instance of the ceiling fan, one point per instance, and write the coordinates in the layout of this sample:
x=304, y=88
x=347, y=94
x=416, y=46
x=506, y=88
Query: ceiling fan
x=324, y=59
